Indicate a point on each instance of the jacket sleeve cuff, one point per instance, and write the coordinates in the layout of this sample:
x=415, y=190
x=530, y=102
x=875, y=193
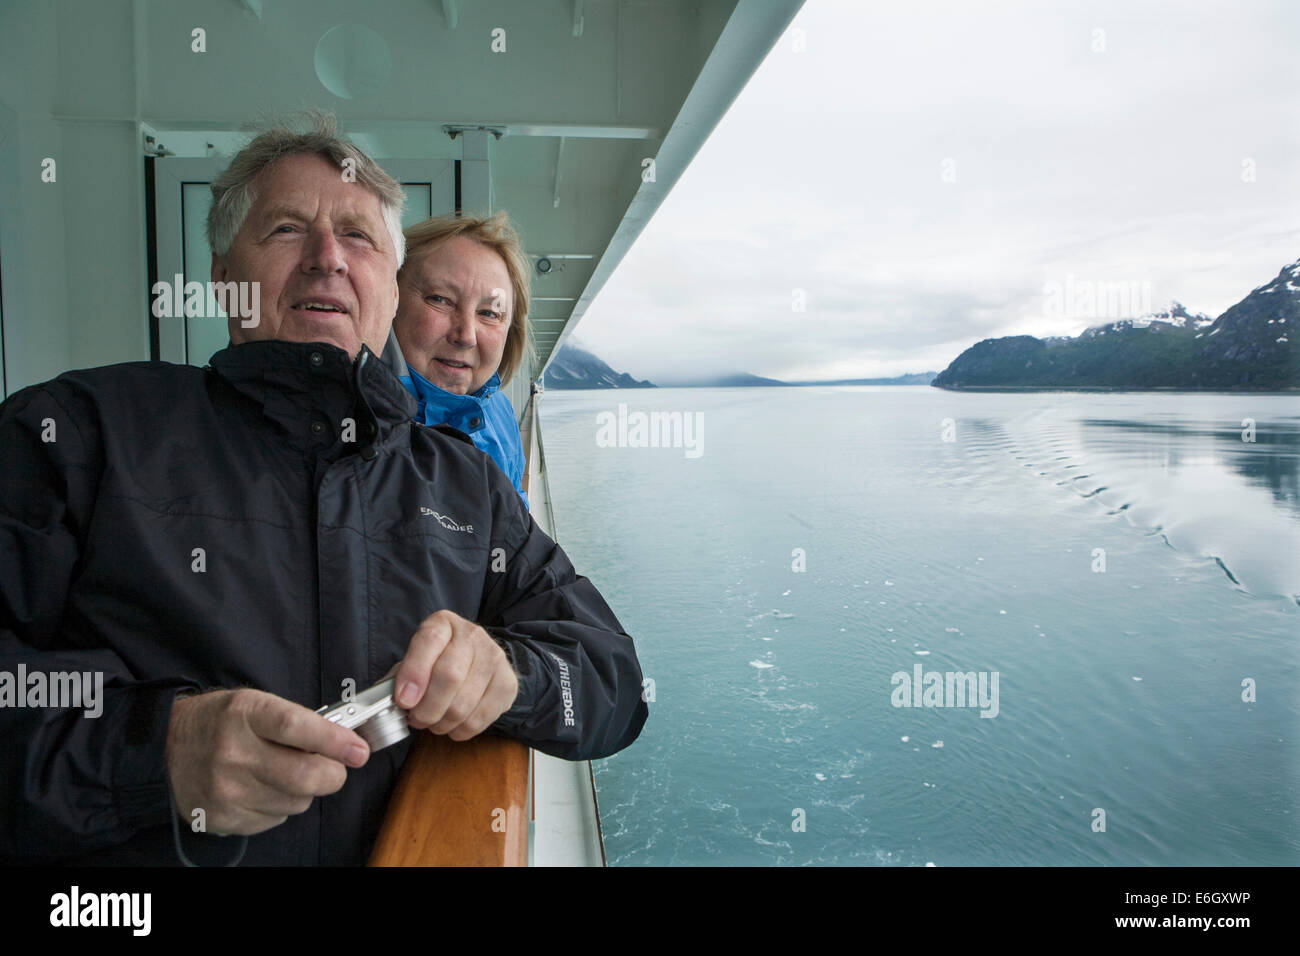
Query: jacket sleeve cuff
x=521, y=659
x=141, y=785
x=144, y=792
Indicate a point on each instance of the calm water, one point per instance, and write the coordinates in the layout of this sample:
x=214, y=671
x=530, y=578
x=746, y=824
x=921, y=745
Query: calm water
x=1119, y=690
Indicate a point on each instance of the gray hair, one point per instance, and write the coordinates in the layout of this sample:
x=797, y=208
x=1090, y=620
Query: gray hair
x=233, y=192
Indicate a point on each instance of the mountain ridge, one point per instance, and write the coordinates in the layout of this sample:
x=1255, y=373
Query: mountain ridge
x=577, y=368
x=1247, y=348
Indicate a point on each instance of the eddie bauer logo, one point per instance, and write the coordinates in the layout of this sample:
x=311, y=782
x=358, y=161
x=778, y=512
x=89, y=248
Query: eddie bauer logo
x=448, y=523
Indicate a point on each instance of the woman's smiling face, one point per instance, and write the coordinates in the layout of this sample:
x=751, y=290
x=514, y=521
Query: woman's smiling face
x=454, y=314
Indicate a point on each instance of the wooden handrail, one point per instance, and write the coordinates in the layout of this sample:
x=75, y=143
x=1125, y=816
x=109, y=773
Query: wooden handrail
x=463, y=804
x=458, y=804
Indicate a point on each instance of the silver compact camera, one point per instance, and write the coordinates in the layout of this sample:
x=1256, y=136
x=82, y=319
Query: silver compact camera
x=373, y=714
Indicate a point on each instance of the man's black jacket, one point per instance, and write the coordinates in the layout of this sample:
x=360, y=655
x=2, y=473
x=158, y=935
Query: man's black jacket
x=275, y=521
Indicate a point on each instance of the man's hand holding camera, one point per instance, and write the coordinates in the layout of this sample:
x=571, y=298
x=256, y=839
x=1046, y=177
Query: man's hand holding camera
x=251, y=759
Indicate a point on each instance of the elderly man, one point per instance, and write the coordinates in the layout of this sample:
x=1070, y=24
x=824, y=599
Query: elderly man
x=233, y=547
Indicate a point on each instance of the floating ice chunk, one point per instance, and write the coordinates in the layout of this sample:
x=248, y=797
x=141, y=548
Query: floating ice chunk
x=952, y=630
x=1002, y=612
x=937, y=745
x=761, y=665
x=889, y=584
x=820, y=776
x=929, y=864
x=922, y=653
x=1137, y=678
x=907, y=740
x=784, y=593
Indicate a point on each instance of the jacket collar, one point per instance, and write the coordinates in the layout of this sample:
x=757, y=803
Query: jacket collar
x=431, y=397
x=298, y=383
x=393, y=357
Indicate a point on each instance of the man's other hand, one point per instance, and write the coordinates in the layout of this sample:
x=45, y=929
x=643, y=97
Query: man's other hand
x=250, y=759
x=455, y=679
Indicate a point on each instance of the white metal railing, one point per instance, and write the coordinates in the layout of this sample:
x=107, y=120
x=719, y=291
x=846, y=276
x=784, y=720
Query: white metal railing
x=565, y=828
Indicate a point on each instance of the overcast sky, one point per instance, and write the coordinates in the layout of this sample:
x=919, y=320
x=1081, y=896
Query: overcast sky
x=1069, y=164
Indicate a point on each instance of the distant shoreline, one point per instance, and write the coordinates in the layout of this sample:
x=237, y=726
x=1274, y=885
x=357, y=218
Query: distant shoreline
x=1291, y=390
x=954, y=388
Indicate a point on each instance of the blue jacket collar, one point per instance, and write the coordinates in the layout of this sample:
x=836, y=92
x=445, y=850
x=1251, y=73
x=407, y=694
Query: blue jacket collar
x=430, y=396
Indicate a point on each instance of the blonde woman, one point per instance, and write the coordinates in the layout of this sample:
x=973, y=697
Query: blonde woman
x=462, y=325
